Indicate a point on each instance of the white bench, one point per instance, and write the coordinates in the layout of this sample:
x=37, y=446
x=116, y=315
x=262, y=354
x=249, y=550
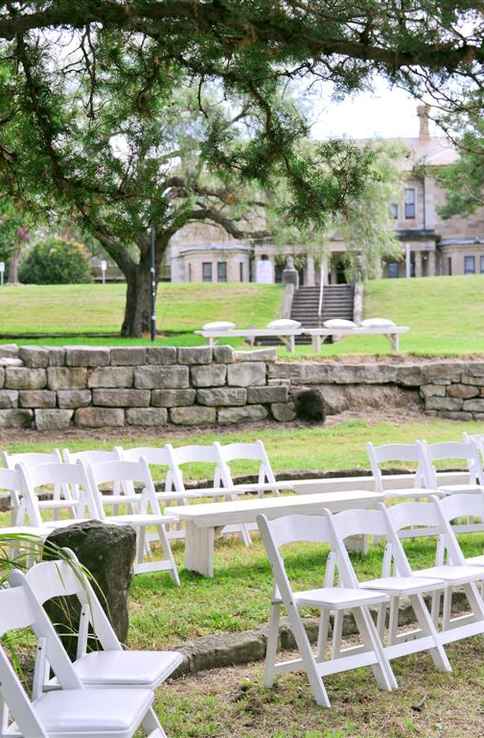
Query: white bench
x=392, y=333
x=286, y=335
x=202, y=520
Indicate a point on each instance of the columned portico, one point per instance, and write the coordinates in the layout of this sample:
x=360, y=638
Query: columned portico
x=418, y=264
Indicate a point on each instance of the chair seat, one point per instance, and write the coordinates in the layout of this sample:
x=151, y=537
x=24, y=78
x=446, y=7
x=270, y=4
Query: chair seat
x=75, y=713
x=146, y=669
x=410, y=493
x=476, y=561
x=338, y=598
x=466, y=489
x=453, y=574
x=404, y=585
x=140, y=519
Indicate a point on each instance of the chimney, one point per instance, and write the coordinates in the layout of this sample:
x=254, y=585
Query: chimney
x=423, y=114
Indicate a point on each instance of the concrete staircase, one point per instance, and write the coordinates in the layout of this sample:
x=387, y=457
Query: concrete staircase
x=338, y=302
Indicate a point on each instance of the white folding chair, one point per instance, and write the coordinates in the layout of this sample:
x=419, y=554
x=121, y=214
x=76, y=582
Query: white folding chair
x=97, y=456
x=145, y=504
x=453, y=574
x=395, y=585
x=396, y=452
x=454, y=507
x=112, y=666
x=72, y=711
x=453, y=450
x=32, y=459
x=13, y=536
x=327, y=599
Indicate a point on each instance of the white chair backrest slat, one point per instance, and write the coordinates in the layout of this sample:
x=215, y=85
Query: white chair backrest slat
x=31, y=459
x=244, y=451
x=408, y=452
x=123, y=472
x=94, y=456
x=451, y=450
x=155, y=456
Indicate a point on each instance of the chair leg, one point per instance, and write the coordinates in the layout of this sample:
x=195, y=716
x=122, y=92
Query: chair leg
x=427, y=625
x=272, y=643
x=337, y=633
x=165, y=545
x=317, y=687
x=140, y=545
x=323, y=633
x=382, y=670
x=151, y=726
x=393, y=621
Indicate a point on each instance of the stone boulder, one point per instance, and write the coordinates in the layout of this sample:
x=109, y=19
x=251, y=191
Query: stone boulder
x=309, y=405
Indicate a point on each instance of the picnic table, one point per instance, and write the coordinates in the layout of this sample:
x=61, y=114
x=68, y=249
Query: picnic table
x=391, y=333
x=287, y=335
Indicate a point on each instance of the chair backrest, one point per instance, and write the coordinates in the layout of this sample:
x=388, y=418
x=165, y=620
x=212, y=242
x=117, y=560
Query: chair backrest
x=11, y=482
x=30, y=459
x=244, y=451
x=94, y=456
x=461, y=450
x=58, y=474
x=379, y=455
x=193, y=454
x=354, y=523
x=121, y=472
x=154, y=455
x=452, y=507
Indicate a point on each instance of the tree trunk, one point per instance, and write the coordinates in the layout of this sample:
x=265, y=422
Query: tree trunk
x=137, y=310
x=13, y=265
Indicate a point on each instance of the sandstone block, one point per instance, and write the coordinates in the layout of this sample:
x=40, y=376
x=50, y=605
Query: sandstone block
x=34, y=357
x=474, y=406
x=24, y=378
x=195, y=415
x=246, y=374
x=275, y=393
x=147, y=416
x=212, y=375
x=87, y=356
x=222, y=396
x=53, y=419
x=475, y=368
x=279, y=382
x=8, y=399
x=74, y=398
x=128, y=356
x=228, y=415
x=411, y=375
x=444, y=403
x=161, y=355
x=111, y=376
x=121, y=397
x=173, y=397
x=456, y=415
x=262, y=354
x=37, y=398
x=464, y=391
x=57, y=356
x=62, y=378
x=161, y=377
x=2, y=377
x=443, y=372
x=195, y=355
x=432, y=390
x=476, y=381
x=6, y=362
x=9, y=351
x=99, y=417
x=284, y=412
x=223, y=354
x=16, y=418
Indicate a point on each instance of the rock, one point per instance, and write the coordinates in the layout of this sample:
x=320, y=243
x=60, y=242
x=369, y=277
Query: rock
x=107, y=552
x=467, y=379
x=194, y=355
x=128, y=356
x=37, y=398
x=309, y=406
x=411, y=375
x=173, y=397
x=57, y=356
x=432, y=390
x=147, y=416
x=283, y=412
x=195, y=415
x=16, y=418
x=475, y=368
x=246, y=374
x=65, y=378
x=457, y=415
x=6, y=362
x=99, y=417
x=121, y=397
x=444, y=403
x=24, y=378
x=276, y=393
x=74, y=398
x=222, y=396
x=463, y=391
x=9, y=351
x=161, y=377
x=34, y=357
x=443, y=372
x=46, y=420
x=228, y=415
x=263, y=354
x=212, y=375
x=87, y=356
x=474, y=406
x=223, y=354
x=111, y=376
x=2, y=377
x=161, y=355
x=339, y=398
x=8, y=399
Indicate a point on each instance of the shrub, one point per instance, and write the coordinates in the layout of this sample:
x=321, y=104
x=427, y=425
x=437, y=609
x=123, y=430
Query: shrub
x=56, y=262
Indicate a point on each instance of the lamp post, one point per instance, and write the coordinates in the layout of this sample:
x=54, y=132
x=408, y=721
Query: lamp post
x=104, y=266
x=153, y=282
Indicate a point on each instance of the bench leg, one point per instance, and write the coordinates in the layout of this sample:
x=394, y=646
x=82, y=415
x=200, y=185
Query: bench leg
x=316, y=341
x=199, y=545
x=394, y=340
x=291, y=344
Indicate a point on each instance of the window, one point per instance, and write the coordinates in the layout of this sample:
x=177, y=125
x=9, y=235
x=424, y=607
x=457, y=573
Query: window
x=221, y=271
x=207, y=271
x=394, y=210
x=393, y=269
x=241, y=271
x=469, y=264
x=481, y=264
x=410, y=203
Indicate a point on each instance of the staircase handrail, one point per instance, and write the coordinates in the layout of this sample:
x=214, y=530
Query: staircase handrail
x=321, y=287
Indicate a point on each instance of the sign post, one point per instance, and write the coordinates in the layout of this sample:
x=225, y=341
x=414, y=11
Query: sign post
x=153, y=282
x=104, y=266
x=2, y=272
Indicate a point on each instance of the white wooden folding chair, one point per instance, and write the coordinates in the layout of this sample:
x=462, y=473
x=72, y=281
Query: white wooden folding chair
x=396, y=452
x=98, y=456
x=396, y=585
x=72, y=711
x=33, y=459
x=327, y=599
x=144, y=502
x=452, y=508
x=111, y=666
x=454, y=574
x=13, y=535
x=453, y=450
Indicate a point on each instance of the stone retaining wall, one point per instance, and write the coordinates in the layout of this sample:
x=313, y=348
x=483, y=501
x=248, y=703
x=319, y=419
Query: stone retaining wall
x=96, y=387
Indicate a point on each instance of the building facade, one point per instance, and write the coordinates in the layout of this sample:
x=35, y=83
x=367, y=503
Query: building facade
x=430, y=245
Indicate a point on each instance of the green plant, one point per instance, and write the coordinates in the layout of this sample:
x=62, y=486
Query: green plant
x=56, y=262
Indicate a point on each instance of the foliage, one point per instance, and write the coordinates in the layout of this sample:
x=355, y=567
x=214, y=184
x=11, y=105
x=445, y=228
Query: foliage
x=56, y=262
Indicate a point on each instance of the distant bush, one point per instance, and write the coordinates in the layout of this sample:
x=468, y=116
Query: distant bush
x=56, y=262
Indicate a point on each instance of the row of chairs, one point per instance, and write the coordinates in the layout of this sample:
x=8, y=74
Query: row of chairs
x=383, y=640
x=103, y=693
